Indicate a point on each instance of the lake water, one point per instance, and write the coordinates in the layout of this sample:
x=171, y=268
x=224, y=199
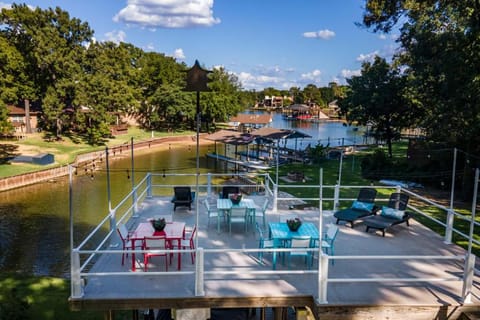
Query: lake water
x=34, y=220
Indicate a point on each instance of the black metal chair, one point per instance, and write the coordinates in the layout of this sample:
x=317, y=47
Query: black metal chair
x=183, y=197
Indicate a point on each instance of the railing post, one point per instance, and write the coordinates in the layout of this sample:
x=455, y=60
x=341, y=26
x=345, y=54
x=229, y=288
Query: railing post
x=149, y=185
x=113, y=220
x=199, y=273
x=322, y=278
x=76, y=281
x=209, y=185
x=449, y=228
x=468, y=274
x=275, y=198
x=336, y=196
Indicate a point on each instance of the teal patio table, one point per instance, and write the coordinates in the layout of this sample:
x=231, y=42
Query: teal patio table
x=225, y=205
x=280, y=233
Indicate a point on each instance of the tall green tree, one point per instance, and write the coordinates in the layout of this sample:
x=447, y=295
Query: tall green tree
x=224, y=100
x=51, y=44
x=377, y=98
x=162, y=82
x=441, y=53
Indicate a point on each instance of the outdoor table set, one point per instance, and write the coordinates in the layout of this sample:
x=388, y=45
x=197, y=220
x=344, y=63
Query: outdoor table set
x=282, y=236
x=226, y=205
x=173, y=233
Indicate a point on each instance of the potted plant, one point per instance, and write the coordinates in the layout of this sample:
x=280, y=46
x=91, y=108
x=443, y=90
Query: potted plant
x=236, y=198
x=159, y=224
x=294, y=224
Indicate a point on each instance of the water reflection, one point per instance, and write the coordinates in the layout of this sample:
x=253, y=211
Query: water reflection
x=34, y=220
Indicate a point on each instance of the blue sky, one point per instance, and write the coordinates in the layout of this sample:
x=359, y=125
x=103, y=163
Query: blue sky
x=265, y=43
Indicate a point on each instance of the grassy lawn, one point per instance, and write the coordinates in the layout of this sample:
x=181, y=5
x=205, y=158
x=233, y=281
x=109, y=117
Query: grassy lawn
x=25, y=297
x=64, y=151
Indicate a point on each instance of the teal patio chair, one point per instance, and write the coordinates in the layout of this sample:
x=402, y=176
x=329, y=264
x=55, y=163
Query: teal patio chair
x=328, y=241
x=261, y=211
x=300, y=243
x=263, y=243
x=212, y=213
x=237, y=215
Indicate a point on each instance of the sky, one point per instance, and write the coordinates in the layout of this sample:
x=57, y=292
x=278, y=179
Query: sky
x=265, y=43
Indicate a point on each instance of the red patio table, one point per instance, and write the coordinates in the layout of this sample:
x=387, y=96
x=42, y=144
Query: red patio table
x=173, y=231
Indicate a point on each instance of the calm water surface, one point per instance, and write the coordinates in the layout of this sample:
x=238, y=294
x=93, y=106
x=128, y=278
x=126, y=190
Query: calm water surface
x=34, y=220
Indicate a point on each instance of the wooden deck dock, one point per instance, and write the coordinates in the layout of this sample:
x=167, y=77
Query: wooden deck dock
x=234, y=276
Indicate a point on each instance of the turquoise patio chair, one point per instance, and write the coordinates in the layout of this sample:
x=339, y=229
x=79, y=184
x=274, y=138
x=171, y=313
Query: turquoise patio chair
x=212, y=213
x=263, y=242
x=238, y=215
x=328, y=241
x=300, y=243
x=261, y=211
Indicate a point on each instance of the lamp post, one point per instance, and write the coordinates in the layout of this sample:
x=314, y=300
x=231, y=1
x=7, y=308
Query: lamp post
x=197, y=79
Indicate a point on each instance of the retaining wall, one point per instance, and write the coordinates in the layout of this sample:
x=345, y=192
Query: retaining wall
x=52, y=173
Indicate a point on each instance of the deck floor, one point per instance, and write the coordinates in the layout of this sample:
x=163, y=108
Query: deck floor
x=415, y=240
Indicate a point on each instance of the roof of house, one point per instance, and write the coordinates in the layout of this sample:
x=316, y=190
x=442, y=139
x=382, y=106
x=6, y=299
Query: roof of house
x=252, y=118
x=238, y=138
x=15, y=110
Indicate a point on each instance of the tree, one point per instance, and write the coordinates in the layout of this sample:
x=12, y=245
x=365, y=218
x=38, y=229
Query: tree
x=377, y=98
x=224, y=100
x=441, y=54
x=51, y=44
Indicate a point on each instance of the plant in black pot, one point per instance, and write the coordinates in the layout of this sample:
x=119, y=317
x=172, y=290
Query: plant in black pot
x=236, y=198
x=294, y=224
x=159, y=224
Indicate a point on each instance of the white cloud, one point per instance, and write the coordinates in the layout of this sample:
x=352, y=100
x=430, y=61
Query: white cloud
x=168, y=13
x=150, y=47
x=369, y=57
x=116, y=36
x=321, y=34
x=350, y=73
x=250, y=81
x=178, y=54
x=4, y=5
x=313, y=76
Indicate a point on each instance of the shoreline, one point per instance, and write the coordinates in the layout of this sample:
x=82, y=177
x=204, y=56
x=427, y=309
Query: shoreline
x=42, y=175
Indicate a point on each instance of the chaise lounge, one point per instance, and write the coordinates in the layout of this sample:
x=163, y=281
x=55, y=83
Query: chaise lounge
x=362, y=207
x=183, y=197
x=392, y=214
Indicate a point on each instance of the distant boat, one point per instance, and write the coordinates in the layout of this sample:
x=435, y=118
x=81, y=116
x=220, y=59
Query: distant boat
x=304, y=117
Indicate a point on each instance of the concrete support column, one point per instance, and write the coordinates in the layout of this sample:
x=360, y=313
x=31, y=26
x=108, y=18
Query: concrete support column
x=199, y=276
x=468, y=275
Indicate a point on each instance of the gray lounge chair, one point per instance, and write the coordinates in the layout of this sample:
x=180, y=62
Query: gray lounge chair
x=365, y=196
x=385, y=219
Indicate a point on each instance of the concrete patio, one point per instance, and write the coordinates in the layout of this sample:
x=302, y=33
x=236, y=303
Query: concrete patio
x=233, y=276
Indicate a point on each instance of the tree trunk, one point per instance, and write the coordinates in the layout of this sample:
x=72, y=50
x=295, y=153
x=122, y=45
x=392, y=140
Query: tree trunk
x=28, y=126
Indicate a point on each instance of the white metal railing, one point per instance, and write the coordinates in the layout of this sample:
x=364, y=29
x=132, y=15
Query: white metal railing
x=145, y=189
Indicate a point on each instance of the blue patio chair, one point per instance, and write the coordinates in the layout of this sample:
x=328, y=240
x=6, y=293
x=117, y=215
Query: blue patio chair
x=237, y=214
x=261, y=211
x=263, y=243
x=299, y=243
x=328, y=241
x=212, y=213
